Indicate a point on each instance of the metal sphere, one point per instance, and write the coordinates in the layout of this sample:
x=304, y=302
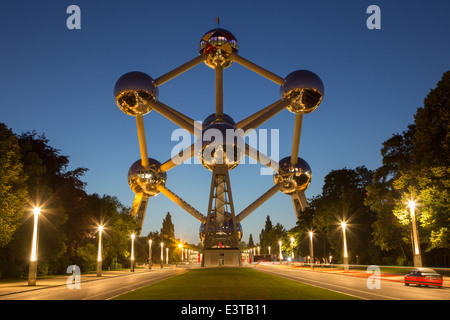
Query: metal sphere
x=132, y=92
x=218, y=44
x=294, y=178
x=218, y=231
x=215, y=149
x=146, y=180
x=212, y=118
x=305, y=90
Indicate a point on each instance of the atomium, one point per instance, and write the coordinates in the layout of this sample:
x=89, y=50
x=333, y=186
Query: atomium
x=293, y=177
x=218, y=44
x=146, y=179
x=133, y=90
x=305, y=90
x=220, y=144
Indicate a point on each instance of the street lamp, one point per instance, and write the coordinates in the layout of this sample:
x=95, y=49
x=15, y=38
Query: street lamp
x=167, y=256
x=132, y=252
x=415, y=235
x=162, y=254
x=269, y=249
x=181, y=248
x=99, y=254
x=281, y=255
x=311, y=248
x=292, y=248
x=344, y=239
x=150, y=253
x=32, y=271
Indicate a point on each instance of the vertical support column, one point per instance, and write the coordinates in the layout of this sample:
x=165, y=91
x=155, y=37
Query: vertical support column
x=219, y=92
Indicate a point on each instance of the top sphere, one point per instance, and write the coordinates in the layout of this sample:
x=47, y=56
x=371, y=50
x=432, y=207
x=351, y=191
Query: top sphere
x=218, y=44
x=305, y=90
x=132, y=92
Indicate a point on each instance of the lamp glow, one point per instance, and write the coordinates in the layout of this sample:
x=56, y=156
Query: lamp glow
x=36, y=211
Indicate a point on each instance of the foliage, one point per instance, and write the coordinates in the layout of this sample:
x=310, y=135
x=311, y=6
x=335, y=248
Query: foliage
x=13, y=191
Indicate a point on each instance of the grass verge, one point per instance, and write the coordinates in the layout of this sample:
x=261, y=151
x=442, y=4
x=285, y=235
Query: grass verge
x=231, y=284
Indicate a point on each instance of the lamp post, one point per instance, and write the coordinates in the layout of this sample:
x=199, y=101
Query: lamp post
x=181, y=248
x=292, y=248
x=132, y=252
x=311, y=248
x=281, y=255
x=150, y=254
x=269, y=249
x=167, y=256
x=162, y=254
x=344, y=239
x=99, y=254
x=415, y=235
x=32, y=271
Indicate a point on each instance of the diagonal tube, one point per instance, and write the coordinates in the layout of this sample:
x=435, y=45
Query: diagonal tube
x=179, y=70
x=183, y=204
x=262, y=116
x=259, y=70
x=182, y=156
x=258, y=202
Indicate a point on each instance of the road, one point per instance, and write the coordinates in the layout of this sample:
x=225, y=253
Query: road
x=355, y=284
x=112, y=285
x=103, y=288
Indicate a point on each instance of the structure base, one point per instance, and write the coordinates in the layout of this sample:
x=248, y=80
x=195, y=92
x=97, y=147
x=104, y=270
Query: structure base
x=221, y=257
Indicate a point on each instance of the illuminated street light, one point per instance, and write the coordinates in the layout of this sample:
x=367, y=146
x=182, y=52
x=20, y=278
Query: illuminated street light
x=181, y=247
x=344, y=239
x=269, y=249
x=167, y=256
x=311, y=248
x=259, y=250
x=99, y=254
x=150, y=262
x=132, y=252
x=281, y=255
x=415, y=235
x=292, y=247
x=162, y=254
x=32, y=272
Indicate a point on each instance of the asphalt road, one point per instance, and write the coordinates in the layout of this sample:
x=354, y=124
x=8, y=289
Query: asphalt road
x=355, y=284
x=100, y=289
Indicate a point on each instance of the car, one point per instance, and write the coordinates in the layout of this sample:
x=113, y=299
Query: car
x=423, y=276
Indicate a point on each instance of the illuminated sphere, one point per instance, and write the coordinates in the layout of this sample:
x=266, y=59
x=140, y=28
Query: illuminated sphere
x=305, y=90
x=212, y=119
x=218, y=44
x=133, y=91
x=294, y=178
x=146, y=180
x=215, y=149
x=220, y=231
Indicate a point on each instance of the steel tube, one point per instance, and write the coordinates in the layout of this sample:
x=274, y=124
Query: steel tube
x=259, y=70
x=179, y=70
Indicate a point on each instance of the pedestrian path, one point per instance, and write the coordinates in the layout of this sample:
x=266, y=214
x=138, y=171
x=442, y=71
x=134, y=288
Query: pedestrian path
x=16, y=286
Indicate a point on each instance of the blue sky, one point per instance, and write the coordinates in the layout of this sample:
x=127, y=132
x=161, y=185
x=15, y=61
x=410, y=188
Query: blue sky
x=60, y=82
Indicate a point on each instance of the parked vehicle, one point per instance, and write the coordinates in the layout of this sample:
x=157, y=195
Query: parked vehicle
x=423, y=276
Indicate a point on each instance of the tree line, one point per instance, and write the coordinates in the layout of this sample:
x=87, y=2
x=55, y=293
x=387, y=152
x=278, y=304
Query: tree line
x=34, y=174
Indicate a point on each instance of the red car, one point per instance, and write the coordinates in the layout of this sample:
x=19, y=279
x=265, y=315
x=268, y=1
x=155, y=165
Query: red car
x=423, y=276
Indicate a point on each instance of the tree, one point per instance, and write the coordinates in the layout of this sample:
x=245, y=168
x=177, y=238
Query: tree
x=13, y=191
x=416, y=165
x=168, y=229
x=342, y=200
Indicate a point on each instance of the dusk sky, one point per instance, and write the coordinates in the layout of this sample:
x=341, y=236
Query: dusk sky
x=60, y=82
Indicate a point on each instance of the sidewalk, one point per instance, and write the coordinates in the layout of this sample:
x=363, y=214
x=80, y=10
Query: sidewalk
x=16, y=286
